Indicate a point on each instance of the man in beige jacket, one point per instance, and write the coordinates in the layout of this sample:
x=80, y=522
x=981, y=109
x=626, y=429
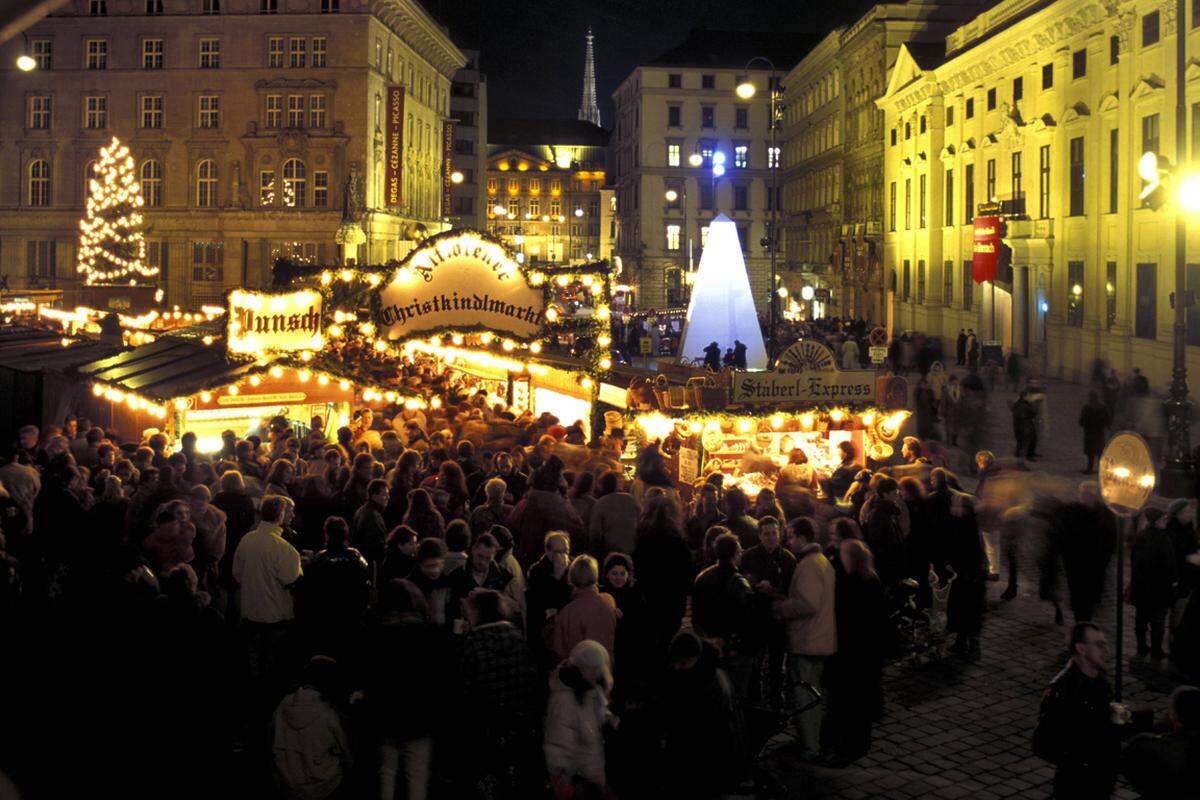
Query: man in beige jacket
x=810, y=629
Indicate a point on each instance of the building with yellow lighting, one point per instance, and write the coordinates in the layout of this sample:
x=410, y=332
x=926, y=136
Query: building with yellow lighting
x=545, y=183
x=251, y=122
x=1041, y=109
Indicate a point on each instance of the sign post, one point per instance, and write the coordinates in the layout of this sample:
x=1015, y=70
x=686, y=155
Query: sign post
x=1126, y=481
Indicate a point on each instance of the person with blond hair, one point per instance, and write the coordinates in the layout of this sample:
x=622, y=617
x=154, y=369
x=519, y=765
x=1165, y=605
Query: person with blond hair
x=591, y=614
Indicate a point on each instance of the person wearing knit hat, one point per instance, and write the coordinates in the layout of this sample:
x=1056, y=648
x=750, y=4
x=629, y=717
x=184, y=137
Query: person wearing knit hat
x=576, y=714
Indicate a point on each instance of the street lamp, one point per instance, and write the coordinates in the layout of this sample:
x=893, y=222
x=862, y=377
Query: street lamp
x=456, y=177
x=500, y=211
x=695, y=159
x=746, y=90
x=26, y=62
x=671, y=195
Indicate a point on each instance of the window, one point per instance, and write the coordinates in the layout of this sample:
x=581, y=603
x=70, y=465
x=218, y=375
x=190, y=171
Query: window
x=89, y=172
x=706, y=195
x=40, y=111
x=969, y=192
x=907, y=286
x=41, y=258
x=1079, y=64
x=1150, y=29
x=922, y=123
x=708, y=117
x=948, y=283
x=744, y=237
x=535, y=205
x=274, y=116
x=907, y=131
x=1114, y=170
x=318, y=51
x=741, y=198
x=741, y=117
x=1114, y=50
x=990, y=185
x=674, y=80
x=1018, y=89
x=673, y=154
x=152, y=53
x=920, y=282
x=98, y=8
x=1150, y=137
x=1075, y=293
x=1110, y=297
x=210, y=53
x=706, y=153
x=266, y=187
x=703, y=236
x=330, y=6
x=42, y=51
x=1145, y=324
x=208, y=262
x=893, y=137
x=390, y=63
x=1077, y=176
x=210, y=6
x=316, y=111
x=1018, y=189
x=297, y=52
x=1048, y=76
x=949, y=198
x=708, y=82
x=1195, y=129
x=275, y=52
x=991, y=99
x=151, y=180
x=206, y=184
x=379, y=54
x=968, y=286
x=95, y=112
x=210, y=111
x=921, y=183
x=39, y=183
x=741, y=156
x=379, y=117
x=1044, y=182
x=295, y=183
x=673, y=237
x=1193, y=312
x=1196, y=13
x=673, y=117
x=154, y=8
x=152, y=111
x=970, y=113
x=773, y=156
x=97, y=54
x=949, y=116
x=908, y=204
x=892, y=207
x=268, y=6
x=295, y=111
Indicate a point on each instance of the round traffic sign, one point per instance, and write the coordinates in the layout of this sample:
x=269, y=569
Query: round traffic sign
x=1127, y=474
x=878, y=337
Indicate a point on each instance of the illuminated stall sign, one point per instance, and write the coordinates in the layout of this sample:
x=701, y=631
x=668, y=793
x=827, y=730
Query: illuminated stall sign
x=260, y=322
x=806, y=375
x=460, y=282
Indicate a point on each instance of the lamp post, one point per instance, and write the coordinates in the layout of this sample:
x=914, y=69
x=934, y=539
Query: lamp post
x=746, y=90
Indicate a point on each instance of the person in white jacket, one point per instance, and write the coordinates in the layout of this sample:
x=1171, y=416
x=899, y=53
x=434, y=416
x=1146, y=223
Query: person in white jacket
x=575, y=717
x=310, y=747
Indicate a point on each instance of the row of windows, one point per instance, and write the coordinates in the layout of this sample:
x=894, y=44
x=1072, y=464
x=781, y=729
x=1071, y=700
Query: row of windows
x=294, y=52
x=295, y=184
x=674, y=237
x=708, y=117
x=741, y=196
x=966, y=292
x=301, y=111
x=99, y=8
x=707, y=148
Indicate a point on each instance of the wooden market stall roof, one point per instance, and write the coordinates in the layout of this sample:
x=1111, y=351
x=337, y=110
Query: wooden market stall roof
x=28, y=349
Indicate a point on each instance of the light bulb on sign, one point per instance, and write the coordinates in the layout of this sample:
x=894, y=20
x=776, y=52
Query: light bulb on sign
x=807, y=293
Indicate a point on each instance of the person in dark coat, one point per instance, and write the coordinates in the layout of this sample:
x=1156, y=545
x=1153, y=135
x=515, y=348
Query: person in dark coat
x=722, y=610
x=664, y=565
x=1087, y=534
x=1094, y=420
x=546, y=592
x=1024, y=421
x=712, y=357
x=635, y=638
x=925, y=403
x=883, y=533
x=966, y=557
x=541, y=510
x=240, y=518
x=855, y=674
x=334, y=593
x=1153, y=575
x=1167, y=765
x=960, y=348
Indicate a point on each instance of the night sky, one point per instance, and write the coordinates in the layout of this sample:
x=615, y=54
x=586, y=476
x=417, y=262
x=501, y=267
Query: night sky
x=532, y=50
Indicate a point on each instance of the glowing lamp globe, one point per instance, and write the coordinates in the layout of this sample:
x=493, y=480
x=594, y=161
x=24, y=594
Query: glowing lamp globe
x=1189, y=194
x=807, y=293
x=745, y=90
x=26, y=63
x=456, y=177
x=671, y=195
x=695, y=159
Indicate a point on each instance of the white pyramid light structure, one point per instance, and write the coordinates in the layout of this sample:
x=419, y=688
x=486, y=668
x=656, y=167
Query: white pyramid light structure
x=722, y=306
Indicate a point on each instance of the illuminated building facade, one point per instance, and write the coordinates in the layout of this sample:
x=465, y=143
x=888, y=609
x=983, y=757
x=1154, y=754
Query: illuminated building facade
x=545, y=187
x=1042, y=110
x=251, y=122
x=468, y=108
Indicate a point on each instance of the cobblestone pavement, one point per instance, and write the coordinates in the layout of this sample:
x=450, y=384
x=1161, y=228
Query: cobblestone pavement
x=962, y=729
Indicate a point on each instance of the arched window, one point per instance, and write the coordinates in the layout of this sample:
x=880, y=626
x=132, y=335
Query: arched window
x=152, y=183
x=39, y=183
x=206, y=184
x=295, y=183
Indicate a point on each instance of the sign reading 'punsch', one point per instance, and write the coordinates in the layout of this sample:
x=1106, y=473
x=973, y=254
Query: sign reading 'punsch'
x=261, y=322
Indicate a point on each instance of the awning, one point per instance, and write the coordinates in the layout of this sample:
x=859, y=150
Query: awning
x=168, y=368
x=28, y=349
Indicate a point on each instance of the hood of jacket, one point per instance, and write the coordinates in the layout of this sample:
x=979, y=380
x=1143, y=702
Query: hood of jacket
x=303, y=708
x=806, y=551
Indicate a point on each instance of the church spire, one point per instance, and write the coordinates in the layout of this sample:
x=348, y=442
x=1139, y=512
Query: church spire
x=588, y=110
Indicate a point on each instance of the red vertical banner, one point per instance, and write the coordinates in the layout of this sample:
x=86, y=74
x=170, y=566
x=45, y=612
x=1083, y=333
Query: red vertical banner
x=395, y=145
x=447, y=164
x=986, y=254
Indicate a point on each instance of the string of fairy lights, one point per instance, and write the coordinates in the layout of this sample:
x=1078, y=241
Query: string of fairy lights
x=112, y=244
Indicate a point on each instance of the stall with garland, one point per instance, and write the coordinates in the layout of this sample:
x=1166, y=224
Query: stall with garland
x=329, y=340
x=747, y=425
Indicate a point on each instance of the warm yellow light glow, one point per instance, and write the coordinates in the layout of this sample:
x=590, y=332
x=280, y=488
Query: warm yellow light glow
x=1148, y=167
x=695, y=427
x=745, y=425
x=1121, y=472
x=671, y=195
x=1146, y=481
x=181, y=404
x=233, y=389
x=1077, y=290
x=255, y=380
x=97, y=389
x=837, y=414
x=535, y=347
x=346, y=275
x=551, y=313
x=380, y=345
x=205, y=397
x=776, y=421
x=604, y=340
x=745, y=90
x=344, y=385
x=695, y=159
x=456, y=177
x=435, y=402
x=26, y=63
x=806, y=421
x=868, y=419
x=500, y=210
x=326, y=278
x=606, y=363
x=508, y=345
x=304, y=375
x=586, y=382
x=1189, y=191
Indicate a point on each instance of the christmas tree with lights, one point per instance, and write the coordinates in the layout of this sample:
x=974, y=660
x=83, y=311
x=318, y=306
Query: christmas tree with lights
x=112, y=241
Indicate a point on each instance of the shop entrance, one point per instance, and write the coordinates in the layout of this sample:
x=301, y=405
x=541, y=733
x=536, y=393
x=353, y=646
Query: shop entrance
x=996, y=314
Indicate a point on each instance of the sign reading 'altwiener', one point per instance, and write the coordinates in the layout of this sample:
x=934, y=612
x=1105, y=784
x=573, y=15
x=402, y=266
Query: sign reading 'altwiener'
x=460, y=282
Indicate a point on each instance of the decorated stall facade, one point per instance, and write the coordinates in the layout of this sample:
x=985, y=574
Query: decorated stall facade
x=327, y=341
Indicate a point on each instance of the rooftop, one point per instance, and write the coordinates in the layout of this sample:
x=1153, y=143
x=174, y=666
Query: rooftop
x=518, y=132
x=928, y=55
x=719, y=49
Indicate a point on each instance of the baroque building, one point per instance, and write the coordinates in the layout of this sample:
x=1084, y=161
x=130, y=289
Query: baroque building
x=254, y=124
x=1038, y=112
x=468, y=109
